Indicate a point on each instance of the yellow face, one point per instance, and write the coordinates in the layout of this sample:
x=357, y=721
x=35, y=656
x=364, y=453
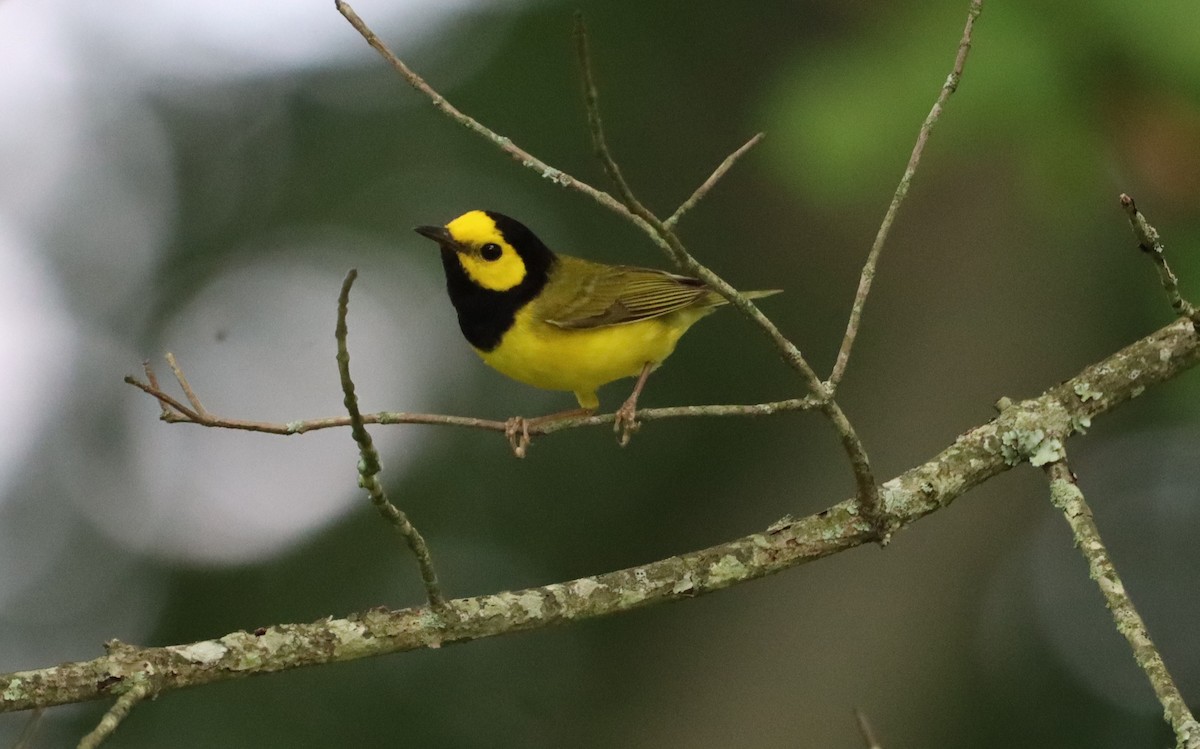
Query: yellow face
x=488, y=259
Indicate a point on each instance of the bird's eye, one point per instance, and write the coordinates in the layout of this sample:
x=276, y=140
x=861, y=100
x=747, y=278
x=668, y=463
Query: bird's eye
x=490, y=251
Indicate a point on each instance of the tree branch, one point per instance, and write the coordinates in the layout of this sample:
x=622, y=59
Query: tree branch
x=1067, y=497
x=975, y=456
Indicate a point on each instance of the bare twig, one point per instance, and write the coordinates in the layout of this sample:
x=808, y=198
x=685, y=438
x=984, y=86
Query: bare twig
x=165, y=412
x=868, y=271
x=864, y=728
x=712, y=180
x=120, y=710
x=973, y=458
x=591, y=98
x=506, y=145
x=1148, y=242
x=1067, y=497
x=172, y=414
x=369, y=465
x=186, y=386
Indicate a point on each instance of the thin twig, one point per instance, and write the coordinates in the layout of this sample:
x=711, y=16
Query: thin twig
x=591, y=97
x=506, y=145
x=187, y=388
x=712, y=180
x=165, y=413
x=1067, y=497
x=864, y=729
x=187, y=416
x=868, y=271
x=116, y=714
x=1148, y=242
x=369, y=466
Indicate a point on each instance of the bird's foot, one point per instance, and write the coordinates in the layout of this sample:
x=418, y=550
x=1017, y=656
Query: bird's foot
x=516, y=430
x=625, y=421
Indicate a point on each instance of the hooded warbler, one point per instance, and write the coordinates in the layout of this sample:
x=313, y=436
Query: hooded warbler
x=558, y=322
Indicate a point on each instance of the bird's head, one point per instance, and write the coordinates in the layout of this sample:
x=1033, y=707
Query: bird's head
x=495, y=252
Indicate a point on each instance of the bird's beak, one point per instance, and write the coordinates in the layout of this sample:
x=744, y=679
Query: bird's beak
x=438, y=234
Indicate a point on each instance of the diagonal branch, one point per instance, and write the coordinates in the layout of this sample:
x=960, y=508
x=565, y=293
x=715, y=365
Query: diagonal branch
x=973, y=457
x=868, y=271
x=1067, y=497
x=712, y=180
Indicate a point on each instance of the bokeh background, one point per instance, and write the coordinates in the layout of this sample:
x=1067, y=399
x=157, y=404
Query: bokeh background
x=198, y=177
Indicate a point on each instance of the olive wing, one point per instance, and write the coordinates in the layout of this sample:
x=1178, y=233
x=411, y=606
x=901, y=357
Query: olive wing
x=589, y=295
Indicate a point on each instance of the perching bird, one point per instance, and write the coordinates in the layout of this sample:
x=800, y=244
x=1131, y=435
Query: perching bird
x=560, y=322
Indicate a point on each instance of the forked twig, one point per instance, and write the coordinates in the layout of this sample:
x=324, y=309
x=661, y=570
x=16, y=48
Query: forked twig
x=868, y=271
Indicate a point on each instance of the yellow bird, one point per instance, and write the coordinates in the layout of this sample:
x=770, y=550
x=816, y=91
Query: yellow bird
x=558, y=322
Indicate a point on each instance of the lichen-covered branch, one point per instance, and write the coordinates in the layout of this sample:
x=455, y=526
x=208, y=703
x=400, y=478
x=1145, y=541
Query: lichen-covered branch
x=1067, y=497
x=974, y=457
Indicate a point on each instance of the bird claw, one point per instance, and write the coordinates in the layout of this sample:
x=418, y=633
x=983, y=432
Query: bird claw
x=625, y=421
x=516, y=430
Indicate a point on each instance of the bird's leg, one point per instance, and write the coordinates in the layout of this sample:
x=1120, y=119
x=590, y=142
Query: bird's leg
x=517, y=428
x=625, y=420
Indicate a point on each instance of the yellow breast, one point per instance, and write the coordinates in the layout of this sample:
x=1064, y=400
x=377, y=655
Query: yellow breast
x=580, y=361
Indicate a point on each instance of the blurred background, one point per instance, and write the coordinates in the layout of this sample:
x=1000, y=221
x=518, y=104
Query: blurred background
x=197, y=178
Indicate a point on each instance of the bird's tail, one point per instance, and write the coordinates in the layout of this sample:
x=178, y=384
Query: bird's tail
x=716, y=300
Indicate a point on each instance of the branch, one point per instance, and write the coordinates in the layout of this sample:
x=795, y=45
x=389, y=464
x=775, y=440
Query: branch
x=1067, y=497
x=176, y=413
x=975, y=456
x=868, y=271
x=1148, y=242
x=369, y=465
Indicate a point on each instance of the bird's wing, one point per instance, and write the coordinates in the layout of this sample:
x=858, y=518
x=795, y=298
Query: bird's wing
x=590, y=295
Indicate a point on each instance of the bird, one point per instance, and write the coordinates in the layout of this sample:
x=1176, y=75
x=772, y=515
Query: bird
x=563, y=323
